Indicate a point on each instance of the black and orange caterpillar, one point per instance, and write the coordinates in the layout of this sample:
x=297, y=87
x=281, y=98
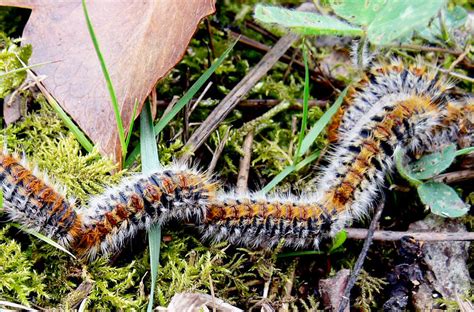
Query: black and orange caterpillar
x=396, y=106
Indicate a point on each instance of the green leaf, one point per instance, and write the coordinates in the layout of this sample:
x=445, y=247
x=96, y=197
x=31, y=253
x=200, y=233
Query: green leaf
x=45, y=239
x=360, y=12
x=150, y=163
x=465, y=151
x=304, y=120
x=322, y=122
x=182, y=102
x=305, y=23
x=300, y=253
x=110, y=86
x=338, y=240
x=399, y=155
x=453, y=19
x=442, y=199
x=399, y=18
x=433, y=164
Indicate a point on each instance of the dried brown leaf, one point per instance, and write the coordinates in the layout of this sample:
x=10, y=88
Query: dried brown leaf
x=140, y=41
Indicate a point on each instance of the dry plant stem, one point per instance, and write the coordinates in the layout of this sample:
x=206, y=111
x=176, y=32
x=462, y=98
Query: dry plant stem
x=218, y=152
x=360, y=260
x=456, y=176
x=288, y=287
x=169, y=106
x=254, y=26
x=460, y=57
x=153, y=103
x=421, y=236
x=264, y=48
x=74, y=298
x=426, y=49
x=195, y=103
x=243, y=177
x=237, y=93
x=260, y=103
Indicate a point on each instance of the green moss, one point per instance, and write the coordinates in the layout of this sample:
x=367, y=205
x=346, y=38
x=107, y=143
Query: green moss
x=10, y=55
x=18, y=279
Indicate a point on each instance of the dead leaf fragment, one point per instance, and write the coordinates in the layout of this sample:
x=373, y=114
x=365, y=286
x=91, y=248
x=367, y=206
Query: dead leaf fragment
x=140, y=41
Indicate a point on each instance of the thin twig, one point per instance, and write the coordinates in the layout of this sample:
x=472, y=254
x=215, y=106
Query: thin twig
x=218, y=151
x=460, y=57
x=261, y=103
x=360, y=260
x=195, y=103
x=243, y=177
x=426, y=49
x=421, y=236
x=455, y=176
x=237, y=93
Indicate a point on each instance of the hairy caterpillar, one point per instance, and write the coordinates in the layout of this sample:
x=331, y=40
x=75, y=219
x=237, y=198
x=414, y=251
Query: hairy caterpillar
x=397, y=106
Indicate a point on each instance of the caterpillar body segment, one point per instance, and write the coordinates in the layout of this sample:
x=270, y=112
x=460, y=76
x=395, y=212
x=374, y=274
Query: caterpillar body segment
x=395, y=107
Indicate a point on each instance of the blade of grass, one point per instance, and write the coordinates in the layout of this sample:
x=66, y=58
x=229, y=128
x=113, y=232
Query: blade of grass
x=132, y=123
x=304, y=120
x=285, y=172
x=182, y=102
x=465, y=151
x=25, y=68
x=306, y=143
x=43, y=238
x=150, y=163
x=322, y=122
x=110, y=87
x=80, y=136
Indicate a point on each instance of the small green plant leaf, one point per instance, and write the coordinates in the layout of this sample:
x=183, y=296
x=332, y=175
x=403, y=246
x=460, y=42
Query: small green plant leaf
x=182, y=102
x=433, y=164
x=45, y=239
x=465, y=151
x=399, y=156
x=442, y=199
x=300, y=253
x=305, y=23
x=150, y=162
x=337, y=241
x=359, y=12
x=453, y=19
x=110, y=86
x=399, y=18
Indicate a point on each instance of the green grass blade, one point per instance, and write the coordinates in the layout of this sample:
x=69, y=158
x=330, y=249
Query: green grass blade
x=43, y=238
x=465, y=151
x=132, y=123
x=25, y=68
x=80, y=136
x=307, y=142
x=110, y=87
x=150, y=163
x=182, y=102
x=322, y=122
x=304, y=120
x=300, y=253
x=285, y=172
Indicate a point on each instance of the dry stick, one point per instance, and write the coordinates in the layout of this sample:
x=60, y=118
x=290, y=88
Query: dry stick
x=455, y=176
x=426, y=49
x=260, y=103
x=244, y=167
x=256, y=45
x=218, y=152
x=421, y=236
x=360, y=260
x=237, y=93
x=195, y=103
x=460, y=57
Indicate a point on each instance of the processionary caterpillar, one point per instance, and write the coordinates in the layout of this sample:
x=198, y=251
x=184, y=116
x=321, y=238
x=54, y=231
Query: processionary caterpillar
x=396, y=106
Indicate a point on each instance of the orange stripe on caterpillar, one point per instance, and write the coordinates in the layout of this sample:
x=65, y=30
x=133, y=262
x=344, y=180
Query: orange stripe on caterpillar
x=396, y=106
